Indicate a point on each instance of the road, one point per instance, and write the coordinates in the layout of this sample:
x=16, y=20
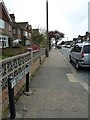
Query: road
x=82, y=74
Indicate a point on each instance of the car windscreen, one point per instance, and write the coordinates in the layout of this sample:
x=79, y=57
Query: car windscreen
x=77, y=48
x=86, y=49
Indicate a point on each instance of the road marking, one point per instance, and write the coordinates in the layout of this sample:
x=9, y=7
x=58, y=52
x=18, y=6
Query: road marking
x=71, y=78
x=83, y=83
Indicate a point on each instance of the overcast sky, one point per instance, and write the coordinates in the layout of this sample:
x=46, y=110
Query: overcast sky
x=67, y=16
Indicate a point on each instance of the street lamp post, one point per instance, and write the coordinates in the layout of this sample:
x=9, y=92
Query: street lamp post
x=47, y=44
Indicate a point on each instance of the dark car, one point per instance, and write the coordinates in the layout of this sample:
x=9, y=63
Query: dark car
x=59, y=46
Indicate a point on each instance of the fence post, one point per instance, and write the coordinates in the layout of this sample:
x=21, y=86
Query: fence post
x=27, y=81
x=40, y=57
x=46, y=52
x=11, y=99
x=31, y=57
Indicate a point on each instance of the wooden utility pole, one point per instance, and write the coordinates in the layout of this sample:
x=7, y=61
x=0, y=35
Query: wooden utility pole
x=47, y=45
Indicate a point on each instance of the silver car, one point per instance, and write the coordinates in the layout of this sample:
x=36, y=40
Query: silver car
x=80, y=55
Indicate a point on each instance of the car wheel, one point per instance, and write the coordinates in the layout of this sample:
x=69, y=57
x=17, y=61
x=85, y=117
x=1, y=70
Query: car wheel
x=77, y=66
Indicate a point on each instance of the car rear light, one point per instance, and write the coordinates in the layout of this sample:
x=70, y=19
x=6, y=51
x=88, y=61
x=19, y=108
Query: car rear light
x=82, y=54
x=82, y=62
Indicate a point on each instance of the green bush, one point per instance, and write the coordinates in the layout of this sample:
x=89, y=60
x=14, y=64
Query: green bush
x=9, y=52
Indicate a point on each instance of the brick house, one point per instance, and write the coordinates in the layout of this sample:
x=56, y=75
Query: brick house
x=21, y=31
x=5, y=26
x=25, y=32
x=81, y=38
x=87, y=36
x=75, y=40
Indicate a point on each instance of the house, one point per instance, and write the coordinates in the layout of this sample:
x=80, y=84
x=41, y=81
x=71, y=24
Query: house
x=35, y=30
x=87, y=36
x=21, y=31
x=25, y=32
x=81, y=38
x=5, y=26
x=75, y=40
x=84, y=38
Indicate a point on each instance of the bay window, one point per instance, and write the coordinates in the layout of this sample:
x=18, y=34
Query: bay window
x=2, y=23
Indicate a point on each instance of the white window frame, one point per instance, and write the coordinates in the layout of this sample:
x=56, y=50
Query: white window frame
x=4, y=41
x=9, y=28
x=25, y=33
x=29, y=34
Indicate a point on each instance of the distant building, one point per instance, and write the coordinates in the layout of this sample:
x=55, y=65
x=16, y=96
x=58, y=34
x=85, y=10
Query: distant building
x=75, y=40
x=81, y=38
x=87, y=36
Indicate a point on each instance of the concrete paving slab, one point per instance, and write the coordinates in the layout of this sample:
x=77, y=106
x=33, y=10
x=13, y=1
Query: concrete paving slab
x=54, y=95
x=58, y=114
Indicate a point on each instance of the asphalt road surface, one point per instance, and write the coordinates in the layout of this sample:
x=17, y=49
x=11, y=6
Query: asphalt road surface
x=82, y=74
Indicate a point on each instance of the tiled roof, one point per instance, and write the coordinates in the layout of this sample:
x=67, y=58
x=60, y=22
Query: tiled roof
x=14, y=24
x=22, y=25
x=2, y=2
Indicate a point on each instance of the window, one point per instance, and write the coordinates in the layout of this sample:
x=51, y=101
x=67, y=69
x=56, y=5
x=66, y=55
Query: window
x=29, y=34
x=86, y=49
x=25, y=33
x=2, y=24
x=14, y=31
x=77, y=49
x=19, y=32
x=9, y=28
x=3, y=42
x=0, y=43
x=2, y=39
x=72, y=49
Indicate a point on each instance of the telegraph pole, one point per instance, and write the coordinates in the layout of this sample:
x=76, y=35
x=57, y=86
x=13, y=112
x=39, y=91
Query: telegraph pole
x=47, y=43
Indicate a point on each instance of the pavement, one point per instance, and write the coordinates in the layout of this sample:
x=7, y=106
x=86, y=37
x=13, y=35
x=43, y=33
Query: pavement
x=54, y=92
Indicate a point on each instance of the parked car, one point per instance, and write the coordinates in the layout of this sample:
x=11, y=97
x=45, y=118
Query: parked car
x=80, y=55
x=59, y=46
x=64, y=45
x=68, y=46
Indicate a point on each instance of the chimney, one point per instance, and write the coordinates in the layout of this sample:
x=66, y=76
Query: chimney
x=12, y=17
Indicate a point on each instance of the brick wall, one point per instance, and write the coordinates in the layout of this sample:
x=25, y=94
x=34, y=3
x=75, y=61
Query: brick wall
x=42, y=58
x=18, y=87
x=35, y=66
x=16, y=35
x=6, y=30
x=5, y=99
